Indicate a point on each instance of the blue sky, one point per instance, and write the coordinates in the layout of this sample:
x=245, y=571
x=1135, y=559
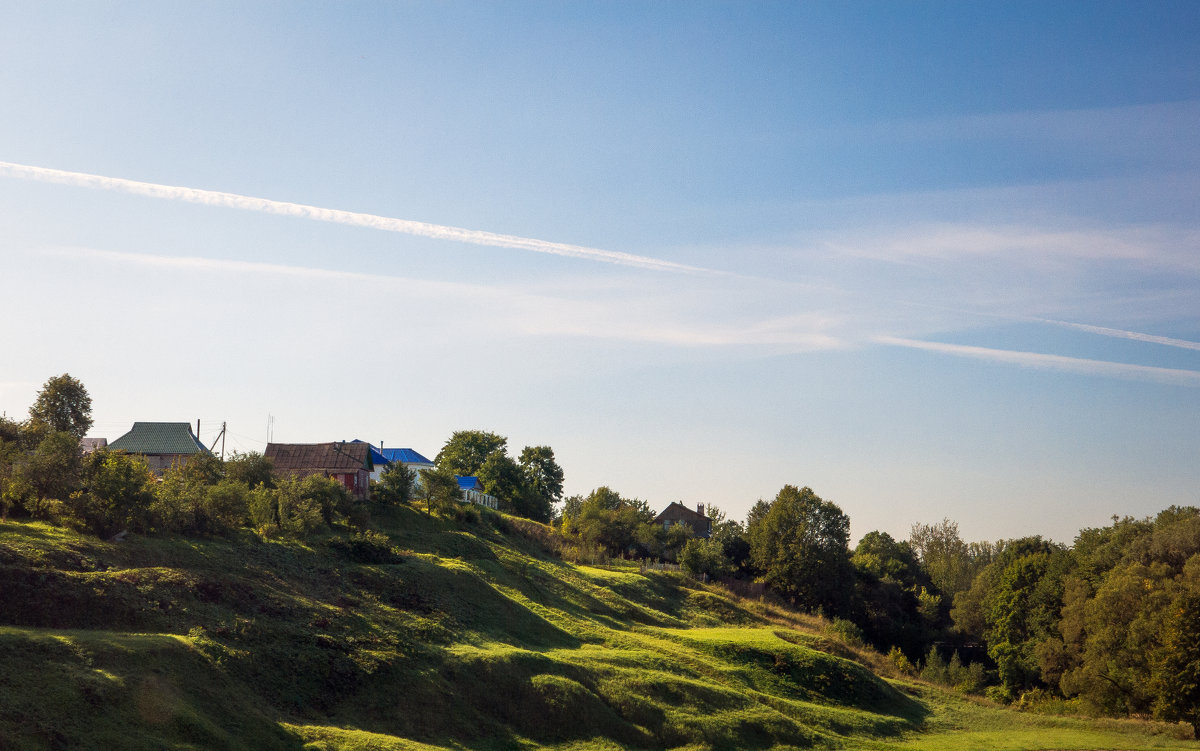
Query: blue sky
x=930, y=259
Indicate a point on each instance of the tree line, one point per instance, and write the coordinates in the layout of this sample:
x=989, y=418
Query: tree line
x=1109, y=624
x=44, y=474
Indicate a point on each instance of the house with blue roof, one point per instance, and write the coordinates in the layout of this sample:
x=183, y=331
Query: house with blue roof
x=384, y=457
x=472, y=492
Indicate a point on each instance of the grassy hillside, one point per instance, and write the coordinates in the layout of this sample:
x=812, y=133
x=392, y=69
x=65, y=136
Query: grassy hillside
x=441, y=635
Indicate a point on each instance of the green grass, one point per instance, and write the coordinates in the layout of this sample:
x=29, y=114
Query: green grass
x=468, y=636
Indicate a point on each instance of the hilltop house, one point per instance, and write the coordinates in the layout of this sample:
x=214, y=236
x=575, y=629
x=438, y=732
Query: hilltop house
x=409, y=458
x=472, y=491
x=163, y=444
x=677, y=513
x=348, y=463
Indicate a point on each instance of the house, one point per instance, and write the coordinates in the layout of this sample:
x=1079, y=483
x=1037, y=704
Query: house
x=677, y=513
x=382, y=458
x=92, y=445
x=348, y=463
x=163, y=444
x=472, y=491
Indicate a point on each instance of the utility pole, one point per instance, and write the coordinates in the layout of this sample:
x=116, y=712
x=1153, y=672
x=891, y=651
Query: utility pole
x=220, y=437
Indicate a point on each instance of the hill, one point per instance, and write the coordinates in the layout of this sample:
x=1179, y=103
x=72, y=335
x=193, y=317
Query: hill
x=434, y=633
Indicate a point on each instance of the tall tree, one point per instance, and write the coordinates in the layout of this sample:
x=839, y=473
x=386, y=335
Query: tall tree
x=503, y=478
x=63, y=405
x=467, y=450
x=944, y=555
x=801, y=545
x=50, y=471
x=543, y=476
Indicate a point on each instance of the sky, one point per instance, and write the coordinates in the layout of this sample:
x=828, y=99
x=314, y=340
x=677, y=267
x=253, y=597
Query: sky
x=932, y=260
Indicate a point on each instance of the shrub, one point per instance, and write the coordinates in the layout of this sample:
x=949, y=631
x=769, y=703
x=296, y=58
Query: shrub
x=900, y=662
x=366, y=547
x=845, y=630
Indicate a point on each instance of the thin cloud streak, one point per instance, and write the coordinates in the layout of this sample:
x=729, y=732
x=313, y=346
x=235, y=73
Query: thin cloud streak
x=1173, y=376
x=1122, y=334
x=513, y=310
x=337, y=216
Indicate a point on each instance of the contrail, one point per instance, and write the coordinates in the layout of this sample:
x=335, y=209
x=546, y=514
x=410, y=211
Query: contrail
x=1122, y=334
x=337, y=216
x=1175, y=376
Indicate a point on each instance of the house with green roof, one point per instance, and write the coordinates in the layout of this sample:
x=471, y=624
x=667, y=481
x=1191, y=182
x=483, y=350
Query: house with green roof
x=164, y=444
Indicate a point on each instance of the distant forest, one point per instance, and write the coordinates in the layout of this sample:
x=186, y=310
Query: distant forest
x=1109, y=625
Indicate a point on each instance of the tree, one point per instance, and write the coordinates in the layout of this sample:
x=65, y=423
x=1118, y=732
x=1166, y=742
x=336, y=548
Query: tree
x=801, y=545
x=250, y=469
x=503, y=478
x=467, y=450
x=63, y=405
x=543, y=479
x=1177, y=671
x=704, y=558
x=395, y=484
x=117, y=493
x=944, y=555
x=439, y=489
x=51, y=471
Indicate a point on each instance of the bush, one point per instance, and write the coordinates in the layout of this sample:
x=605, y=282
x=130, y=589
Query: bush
x=900, y=662
x=366, y=547
x=845, y=630
x=704, y=557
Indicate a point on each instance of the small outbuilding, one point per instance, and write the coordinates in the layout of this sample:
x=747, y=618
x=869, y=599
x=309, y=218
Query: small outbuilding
x=677, y=513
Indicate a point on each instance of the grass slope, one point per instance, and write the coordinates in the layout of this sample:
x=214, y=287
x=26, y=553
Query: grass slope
x=454, y=637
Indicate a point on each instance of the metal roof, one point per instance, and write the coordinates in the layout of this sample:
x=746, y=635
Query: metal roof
x=384, y=457
x=319, y=457
x=407, y=456
x=469, y=483
x=171, y=438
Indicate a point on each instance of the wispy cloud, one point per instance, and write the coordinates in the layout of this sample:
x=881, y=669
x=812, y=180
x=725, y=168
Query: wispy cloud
x=1122, y=334
x=651, y=316
x=1174, y=376
x=337, y=216
x=1018, y=243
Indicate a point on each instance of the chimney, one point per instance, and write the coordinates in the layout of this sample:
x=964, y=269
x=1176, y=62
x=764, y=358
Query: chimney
x=700, y=509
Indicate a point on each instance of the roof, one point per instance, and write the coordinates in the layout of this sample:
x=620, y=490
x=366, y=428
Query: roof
x=469, y=483
x=678, y=511
x=387, y=456
x=159, y=438
x=319, y=457
x=377, y=458
x=406, y=456
x=92, y=444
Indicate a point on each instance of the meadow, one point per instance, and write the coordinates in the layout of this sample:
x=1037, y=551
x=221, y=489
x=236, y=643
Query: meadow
x=437, y=633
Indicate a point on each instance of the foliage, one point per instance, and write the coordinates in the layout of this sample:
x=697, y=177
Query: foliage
x=705, y=557
x=892, y=598
x=250, y=469
x=116, y=495
x=62, y=406
x=439, y=489
x=950, y=563
x=466, y=451
x=395, y=485
x=50, y=471
x=800, y=544
x=543, y=480
x=502, y=477
x=194, y=498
